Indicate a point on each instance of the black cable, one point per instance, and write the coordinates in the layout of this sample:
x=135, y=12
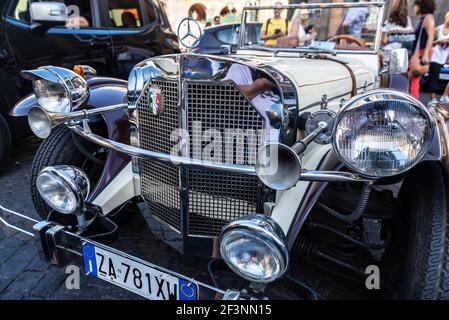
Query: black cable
x=344, y=236
x=358, y=211
x=86, y=153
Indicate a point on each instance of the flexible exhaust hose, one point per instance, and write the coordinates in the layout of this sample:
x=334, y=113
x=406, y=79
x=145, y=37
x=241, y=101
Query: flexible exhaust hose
x=358, y=211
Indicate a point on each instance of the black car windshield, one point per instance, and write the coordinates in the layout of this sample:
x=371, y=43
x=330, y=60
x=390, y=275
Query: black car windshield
x=326, y=27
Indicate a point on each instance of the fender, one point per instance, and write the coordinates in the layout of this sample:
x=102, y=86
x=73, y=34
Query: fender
x=438, y=152
x=103, y=92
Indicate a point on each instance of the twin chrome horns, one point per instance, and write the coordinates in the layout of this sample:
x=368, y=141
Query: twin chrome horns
x=279, y=166
x=42, y=121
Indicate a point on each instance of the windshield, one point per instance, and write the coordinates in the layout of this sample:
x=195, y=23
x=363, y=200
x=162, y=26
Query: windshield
x=328, y=27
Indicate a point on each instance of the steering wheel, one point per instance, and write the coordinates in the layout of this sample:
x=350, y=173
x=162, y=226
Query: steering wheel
x=347, y=38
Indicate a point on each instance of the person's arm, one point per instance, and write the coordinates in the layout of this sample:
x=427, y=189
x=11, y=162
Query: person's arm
x=294, y=28
x=257, y=87
x=429, y=26
x=384, y=38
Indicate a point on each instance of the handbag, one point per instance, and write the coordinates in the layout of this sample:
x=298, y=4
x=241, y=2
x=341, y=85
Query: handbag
x=418, y=69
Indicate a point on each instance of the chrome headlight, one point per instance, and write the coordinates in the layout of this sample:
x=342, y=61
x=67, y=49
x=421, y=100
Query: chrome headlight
x=64, y=188
x=58, y=89
x=255, y=248
x=382, y=133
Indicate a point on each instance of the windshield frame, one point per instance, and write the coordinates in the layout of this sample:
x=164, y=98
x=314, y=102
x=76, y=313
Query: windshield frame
x=377, y=44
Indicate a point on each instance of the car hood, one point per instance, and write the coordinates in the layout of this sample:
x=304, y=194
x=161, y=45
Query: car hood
x=315, y=77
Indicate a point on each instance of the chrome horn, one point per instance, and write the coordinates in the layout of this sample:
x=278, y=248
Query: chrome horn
x=42, y=121
x=278, y=166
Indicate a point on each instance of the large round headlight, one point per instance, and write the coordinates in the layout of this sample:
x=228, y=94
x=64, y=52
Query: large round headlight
x=58, y=89
x=382, y=133
x=64, y=188
x=255, y=248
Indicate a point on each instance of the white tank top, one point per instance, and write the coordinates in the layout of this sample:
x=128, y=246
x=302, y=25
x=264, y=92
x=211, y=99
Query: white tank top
x=440, y=52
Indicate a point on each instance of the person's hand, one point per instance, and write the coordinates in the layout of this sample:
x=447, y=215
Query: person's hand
x=278, y=35
x=264, y=84
x=425, y=59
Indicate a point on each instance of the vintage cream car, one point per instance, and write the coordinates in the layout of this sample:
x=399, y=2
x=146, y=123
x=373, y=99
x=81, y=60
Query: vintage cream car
x=285, y=153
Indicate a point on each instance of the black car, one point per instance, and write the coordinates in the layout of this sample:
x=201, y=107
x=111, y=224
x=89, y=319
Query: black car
x=215, y=39
x=110, y=36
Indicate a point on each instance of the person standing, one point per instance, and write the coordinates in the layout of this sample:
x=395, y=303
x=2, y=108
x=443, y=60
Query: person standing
x=397, y=30
x=299, y=35
x=354, y=21
x=439, y=58
x=274, y=28
x=424, y=34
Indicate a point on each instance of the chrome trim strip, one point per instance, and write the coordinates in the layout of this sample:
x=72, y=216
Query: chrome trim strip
x=335, y=97
x=319, y=5
x=193, y=163
x=165, y=158
x=11, y=226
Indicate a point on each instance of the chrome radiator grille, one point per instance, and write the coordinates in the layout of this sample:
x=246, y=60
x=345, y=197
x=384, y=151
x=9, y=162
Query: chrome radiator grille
x=155, y=130
x=222, y=107
x=217, y=198
x=214, y=198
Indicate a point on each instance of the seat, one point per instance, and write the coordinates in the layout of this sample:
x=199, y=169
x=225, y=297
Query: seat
x=128, y=20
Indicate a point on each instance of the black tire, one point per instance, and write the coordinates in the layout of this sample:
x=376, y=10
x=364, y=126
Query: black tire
x=5, y=141
x=59, y=149
x=426, y=273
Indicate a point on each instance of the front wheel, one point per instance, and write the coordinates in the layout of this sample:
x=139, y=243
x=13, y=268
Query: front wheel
x=63, y=147
x=426, y=273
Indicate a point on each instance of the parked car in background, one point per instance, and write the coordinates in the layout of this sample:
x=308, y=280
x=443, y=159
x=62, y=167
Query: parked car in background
x=216, y=40
x=113, y=36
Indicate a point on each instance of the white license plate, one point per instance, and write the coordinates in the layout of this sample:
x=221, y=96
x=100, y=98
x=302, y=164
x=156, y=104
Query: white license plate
x=136, y=276
x=444, y=76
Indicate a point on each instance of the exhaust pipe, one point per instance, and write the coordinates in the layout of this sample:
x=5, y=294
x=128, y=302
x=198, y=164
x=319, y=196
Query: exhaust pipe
x=278, y=166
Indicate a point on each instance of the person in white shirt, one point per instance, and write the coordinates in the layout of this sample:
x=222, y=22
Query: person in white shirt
x=297, y=30
x=438, y=59
x=397, y=30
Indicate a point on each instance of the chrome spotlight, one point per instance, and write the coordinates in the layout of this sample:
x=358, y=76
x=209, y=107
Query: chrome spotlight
x=58, y=89
x=255, y=248
x=65, y=189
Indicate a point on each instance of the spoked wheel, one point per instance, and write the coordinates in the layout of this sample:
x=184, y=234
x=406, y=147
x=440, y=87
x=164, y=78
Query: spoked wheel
x=64, y=147
x=426, y=268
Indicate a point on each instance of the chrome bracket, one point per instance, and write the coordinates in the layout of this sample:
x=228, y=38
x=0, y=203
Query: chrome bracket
x=324, y=102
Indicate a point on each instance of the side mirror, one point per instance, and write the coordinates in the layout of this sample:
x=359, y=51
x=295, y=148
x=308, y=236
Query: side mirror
x=225, y=49
x=49, y=13
x=398, y=61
